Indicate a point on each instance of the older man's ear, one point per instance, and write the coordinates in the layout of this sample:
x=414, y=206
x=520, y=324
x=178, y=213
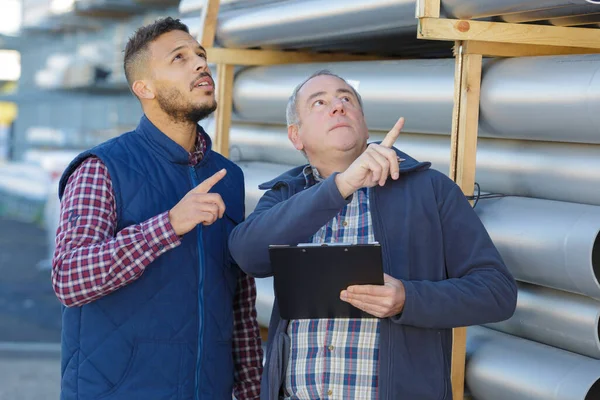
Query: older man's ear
x=294, y=138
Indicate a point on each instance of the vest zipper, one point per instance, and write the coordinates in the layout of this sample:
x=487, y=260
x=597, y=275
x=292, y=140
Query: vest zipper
x=195, y=183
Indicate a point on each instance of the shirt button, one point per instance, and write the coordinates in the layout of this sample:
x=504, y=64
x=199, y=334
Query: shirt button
x=330, y=392
x=345, y=223
x=330, y=347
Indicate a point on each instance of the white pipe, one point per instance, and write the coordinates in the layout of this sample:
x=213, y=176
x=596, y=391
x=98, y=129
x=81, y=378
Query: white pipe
x=513, y=167
x=534, y=98
x=548, y=243
x=503, y=367
x=556, y=318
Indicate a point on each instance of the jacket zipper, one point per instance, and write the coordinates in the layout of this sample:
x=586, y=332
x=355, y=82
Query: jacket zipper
x=194, y=177
x=381, y=235
x=388, y=321
x=446, y=369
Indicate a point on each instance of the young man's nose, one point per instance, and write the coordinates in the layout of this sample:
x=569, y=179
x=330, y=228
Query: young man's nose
x=201, y=64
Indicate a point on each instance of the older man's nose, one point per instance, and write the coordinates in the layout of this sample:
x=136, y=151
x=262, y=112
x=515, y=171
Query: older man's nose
x=338, y=107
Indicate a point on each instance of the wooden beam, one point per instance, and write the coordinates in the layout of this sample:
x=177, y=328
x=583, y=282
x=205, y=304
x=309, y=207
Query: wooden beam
x=428, y=8
x=458, y=59
x=468, y=122
x=224, y=108
x=465, y=122
x=264, y=334
x=521, y=50
x=270, y=57
x=503, y=32
x=210, y=13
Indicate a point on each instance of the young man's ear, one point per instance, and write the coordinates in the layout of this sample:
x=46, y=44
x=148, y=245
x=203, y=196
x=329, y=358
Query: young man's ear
x=143, y=90
x=294, y=138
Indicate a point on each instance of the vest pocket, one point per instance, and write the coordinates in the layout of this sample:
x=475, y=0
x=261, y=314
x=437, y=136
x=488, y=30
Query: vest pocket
x=153, y=371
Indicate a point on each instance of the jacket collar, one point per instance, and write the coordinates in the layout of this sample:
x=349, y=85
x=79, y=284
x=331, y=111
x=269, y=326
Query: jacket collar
x=297, y=176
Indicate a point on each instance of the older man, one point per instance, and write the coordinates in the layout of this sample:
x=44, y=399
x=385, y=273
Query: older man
x=441, y=267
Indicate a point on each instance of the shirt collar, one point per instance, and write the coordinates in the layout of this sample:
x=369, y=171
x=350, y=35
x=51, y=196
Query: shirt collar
x=311, y=175
x=199, y=149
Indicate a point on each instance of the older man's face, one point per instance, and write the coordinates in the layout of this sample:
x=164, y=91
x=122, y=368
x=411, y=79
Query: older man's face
x=331, y=119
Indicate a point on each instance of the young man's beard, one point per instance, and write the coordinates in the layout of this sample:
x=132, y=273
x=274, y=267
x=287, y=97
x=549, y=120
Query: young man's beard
x=172, y=104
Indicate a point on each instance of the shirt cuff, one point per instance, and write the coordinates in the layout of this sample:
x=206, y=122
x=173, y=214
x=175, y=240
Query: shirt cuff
x=159, y=233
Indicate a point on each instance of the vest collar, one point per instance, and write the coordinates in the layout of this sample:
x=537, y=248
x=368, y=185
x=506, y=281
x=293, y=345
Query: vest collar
x=167, y=147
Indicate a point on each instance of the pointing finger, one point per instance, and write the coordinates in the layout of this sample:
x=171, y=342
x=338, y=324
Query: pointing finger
x=208, y=183
x=390, y=138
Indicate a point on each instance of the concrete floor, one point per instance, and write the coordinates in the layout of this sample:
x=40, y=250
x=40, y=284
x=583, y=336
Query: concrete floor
x=30, y=316
x=27, y=377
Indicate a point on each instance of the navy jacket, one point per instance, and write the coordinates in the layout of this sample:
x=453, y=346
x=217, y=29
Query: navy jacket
x=432, y=241
x=167, y=335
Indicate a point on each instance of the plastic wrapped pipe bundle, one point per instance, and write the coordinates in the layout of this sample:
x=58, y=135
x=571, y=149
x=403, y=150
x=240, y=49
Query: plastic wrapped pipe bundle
x=265, y=297
x=560, y=319
x=531, y=98
x=467, y=9
x=554, y=15
x=191, y=7
x=549, y=243
x=511, y=167
x=501, y=367
x=351, y=26
x=314, y=23
x=311, y=22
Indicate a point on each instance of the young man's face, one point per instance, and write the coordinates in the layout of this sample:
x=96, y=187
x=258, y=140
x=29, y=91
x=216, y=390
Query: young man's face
x=181, y=78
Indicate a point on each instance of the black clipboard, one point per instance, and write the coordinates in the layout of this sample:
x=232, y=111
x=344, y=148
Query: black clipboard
x=308, y=278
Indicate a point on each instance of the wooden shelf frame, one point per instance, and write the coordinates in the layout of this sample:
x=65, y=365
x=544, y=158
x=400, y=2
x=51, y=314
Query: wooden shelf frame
x=474, y=40
x=503, y=39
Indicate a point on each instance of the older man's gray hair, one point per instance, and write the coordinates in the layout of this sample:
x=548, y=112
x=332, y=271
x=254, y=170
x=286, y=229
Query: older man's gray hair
x=291, y=112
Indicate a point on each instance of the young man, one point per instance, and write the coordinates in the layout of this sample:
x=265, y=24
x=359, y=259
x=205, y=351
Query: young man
x=441, y=268
x=155, y=306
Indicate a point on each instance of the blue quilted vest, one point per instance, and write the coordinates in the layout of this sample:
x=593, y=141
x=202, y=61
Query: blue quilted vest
x=167, y=335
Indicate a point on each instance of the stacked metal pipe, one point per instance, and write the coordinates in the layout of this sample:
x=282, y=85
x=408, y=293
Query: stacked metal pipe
x=501, y=367
x=539, y=148
x=387, y=26
x=539, y=98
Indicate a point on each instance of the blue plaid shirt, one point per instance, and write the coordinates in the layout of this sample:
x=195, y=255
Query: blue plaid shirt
x=336, y=358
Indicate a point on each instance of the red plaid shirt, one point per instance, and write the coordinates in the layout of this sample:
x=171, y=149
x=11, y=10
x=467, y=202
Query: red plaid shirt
x=91, y=260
